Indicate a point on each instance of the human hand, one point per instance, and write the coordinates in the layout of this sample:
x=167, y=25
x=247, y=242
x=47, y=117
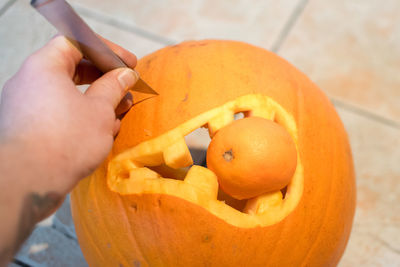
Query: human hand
x=52, y=135
x=56, y=132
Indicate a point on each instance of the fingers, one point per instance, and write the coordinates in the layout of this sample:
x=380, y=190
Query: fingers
x=58, y=55
x=87, y=73
x=113, y=85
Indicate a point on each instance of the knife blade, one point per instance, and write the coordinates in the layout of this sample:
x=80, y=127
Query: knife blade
x=63, y=17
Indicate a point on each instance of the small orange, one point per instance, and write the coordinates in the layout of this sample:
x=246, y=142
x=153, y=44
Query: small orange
x=252, y=156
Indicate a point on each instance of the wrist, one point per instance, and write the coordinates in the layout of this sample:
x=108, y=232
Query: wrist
x=33, y=166
x=30, y=179
x=24, y=184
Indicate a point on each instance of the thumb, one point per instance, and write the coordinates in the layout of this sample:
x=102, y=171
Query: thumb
x=113, y=85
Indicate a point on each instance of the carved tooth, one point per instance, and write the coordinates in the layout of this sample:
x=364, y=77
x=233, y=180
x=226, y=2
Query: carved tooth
x=177, y=155
x=220, y=121
x=203, y=179
x=147, y=153
x=150, y=159
x=120, y=170
x=143, y=173
x=261, y=204
x=264, y=112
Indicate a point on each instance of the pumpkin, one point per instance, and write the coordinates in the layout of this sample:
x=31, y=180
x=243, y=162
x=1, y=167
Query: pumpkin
x=145, y=205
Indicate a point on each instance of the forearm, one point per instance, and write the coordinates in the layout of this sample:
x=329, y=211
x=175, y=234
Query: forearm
x=22, y=205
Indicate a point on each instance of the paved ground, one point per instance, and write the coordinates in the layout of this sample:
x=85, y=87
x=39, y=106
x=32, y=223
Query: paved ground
x=351, y=49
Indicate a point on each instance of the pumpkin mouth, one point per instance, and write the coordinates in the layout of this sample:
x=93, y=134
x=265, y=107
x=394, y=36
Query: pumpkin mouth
x=142, y=168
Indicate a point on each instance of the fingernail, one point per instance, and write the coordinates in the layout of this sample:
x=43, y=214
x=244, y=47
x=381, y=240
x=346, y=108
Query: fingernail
x=127, y=78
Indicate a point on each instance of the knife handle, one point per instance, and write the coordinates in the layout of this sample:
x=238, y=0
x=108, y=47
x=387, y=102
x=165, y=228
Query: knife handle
x=68, y=23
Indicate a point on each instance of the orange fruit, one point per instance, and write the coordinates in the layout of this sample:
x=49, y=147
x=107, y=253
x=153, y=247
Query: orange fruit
x=252, y=156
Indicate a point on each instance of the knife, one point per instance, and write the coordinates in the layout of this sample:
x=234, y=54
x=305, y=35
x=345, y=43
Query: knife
x=71, y=25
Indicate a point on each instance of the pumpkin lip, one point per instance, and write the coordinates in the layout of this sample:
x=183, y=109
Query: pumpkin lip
x=128, y=172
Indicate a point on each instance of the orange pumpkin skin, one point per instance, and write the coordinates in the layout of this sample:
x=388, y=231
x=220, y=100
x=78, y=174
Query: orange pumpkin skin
x=163, y=230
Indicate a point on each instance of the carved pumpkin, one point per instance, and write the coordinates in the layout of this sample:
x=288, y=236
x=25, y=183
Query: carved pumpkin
x=142, y=207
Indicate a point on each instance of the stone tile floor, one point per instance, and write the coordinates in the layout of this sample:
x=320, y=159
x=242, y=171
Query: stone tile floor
x=351, y=49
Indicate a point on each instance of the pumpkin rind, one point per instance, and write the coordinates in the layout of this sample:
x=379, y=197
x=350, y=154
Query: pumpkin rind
x=164, y=230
